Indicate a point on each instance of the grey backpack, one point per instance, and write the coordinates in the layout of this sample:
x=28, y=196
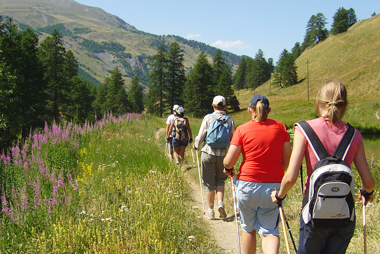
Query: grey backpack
x=330, y=196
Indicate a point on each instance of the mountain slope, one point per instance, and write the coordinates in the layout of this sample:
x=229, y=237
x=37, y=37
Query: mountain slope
x=100, y=41
x=353, y=57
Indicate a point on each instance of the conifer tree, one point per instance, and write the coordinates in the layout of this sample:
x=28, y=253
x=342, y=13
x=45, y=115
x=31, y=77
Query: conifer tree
x=223, y=80
x=135, y=95
x=52, y=54
x=287, y=68
x=315, y=31
x=199, y=90
x=116, y=97
x=80, y=107
x=175, y=75
x=21, y=83
x=158, y=83
x=240, y=76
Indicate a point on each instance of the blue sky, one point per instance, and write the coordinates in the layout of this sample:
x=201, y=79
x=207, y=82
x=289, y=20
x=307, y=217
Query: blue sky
x=238, y=26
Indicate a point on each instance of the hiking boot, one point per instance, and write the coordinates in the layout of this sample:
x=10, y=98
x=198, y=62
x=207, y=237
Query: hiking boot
x=222, y=212
x=209, y=214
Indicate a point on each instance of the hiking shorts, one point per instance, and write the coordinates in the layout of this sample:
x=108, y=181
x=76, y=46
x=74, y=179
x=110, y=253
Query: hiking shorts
x=257, y=211
x=212, y=171
x=177, y=143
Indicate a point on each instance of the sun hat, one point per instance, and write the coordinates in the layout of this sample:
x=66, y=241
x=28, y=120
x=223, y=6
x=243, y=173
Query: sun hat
x=175, y=107
x=259, y=97
x=219, y=99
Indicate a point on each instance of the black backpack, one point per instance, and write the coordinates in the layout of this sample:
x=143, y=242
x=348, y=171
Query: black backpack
x=329, y=201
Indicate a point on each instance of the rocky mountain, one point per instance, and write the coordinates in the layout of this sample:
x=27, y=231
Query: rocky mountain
x=99, y=40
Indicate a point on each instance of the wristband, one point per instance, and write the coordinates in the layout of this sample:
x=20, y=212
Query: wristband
x=228, y=169
x=278, y=198
x=365, y=193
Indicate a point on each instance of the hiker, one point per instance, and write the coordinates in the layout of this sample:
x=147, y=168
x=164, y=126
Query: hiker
x=169, y=137
x=331, y=104
x=212, y=158
x=181, y=131
x=265, y=146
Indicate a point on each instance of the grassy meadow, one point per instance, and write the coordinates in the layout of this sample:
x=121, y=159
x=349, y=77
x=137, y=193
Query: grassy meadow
x=108, y=188
x=103, y=188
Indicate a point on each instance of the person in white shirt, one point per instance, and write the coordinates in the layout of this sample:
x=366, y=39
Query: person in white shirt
x=212, y=159
x=169, y=121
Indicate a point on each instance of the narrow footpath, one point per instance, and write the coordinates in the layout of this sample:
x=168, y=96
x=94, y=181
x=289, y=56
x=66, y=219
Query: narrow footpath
x=224, y=232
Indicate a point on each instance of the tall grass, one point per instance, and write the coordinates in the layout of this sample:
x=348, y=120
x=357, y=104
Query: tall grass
x=102, y=188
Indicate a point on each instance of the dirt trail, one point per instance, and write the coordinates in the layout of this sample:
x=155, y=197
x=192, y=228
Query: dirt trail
x=225, y=233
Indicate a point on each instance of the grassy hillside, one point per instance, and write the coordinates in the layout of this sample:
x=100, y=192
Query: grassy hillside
x=79, y=23
x=352, y=57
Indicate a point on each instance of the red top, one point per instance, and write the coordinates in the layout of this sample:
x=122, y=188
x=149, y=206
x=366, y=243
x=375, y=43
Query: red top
x=261, y=146
x=330, y=137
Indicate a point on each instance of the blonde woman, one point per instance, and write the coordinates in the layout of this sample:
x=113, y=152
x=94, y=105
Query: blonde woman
x=265, y=146
x=331, y=104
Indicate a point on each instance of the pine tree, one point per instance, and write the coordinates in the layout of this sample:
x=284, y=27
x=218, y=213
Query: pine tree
x=80, y=107
x=158, y=83
x=21, y=83
x=287, y=68
x=259, y=71
x=135, y=95
x=240, y=76
x=175, y=75
x=116, y=97
x=315, y=31
x=223, y=80
x=52, y=54
x=199, y=90
x=340, y=23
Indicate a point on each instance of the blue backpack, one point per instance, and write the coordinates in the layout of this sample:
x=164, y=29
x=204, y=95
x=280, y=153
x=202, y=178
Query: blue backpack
x=218, y=133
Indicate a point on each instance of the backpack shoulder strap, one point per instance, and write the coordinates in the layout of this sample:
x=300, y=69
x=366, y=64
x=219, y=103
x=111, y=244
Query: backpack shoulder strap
x=315, y=143
x=225, y=118
x=345, y=143
x=213, y=116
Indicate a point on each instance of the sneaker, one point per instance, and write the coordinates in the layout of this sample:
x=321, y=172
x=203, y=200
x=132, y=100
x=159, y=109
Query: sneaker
x=222, y=212
x=209, y=214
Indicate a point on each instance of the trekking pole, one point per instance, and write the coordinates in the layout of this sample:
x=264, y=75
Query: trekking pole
x=290, y=232
x=166, y=147
x=364, y=227
x=192, y=153
x=235, y=208
x=200, y=180
x=283, y=226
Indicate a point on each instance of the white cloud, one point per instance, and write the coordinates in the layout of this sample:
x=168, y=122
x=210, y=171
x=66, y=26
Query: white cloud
x=230, y=44
x=192, y=36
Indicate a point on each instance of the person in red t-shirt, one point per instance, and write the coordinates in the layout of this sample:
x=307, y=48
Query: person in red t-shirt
x=265, y=146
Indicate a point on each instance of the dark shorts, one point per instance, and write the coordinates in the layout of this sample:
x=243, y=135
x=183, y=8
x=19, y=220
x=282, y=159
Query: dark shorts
x=177, y=143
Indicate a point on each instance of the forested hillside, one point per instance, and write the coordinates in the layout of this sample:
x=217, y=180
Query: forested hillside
x=99, y=40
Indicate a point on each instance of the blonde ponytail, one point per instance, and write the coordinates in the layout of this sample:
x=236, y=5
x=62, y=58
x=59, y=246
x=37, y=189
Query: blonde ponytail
x=332, y=101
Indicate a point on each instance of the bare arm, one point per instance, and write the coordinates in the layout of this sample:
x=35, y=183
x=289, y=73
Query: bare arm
x=361, y=165
x=286, y=151
x=188, y=128
x=295, y=163
x=232, y=156
x=169, y=130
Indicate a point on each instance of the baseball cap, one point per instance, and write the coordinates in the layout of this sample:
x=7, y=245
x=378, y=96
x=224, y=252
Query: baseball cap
x=175, y=107
x=218, y=99
x=259, y=97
